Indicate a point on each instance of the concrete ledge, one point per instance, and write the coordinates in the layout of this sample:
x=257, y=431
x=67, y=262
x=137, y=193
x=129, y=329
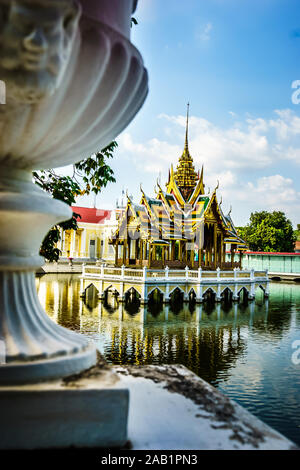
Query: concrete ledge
x=173, y=409
x=87, y=410
x=170, y=409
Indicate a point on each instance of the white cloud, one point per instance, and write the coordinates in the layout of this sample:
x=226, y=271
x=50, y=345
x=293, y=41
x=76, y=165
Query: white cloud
x=204, y=33
x=271, y=193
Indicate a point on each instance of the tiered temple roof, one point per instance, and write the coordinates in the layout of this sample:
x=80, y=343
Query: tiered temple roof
x=183, y=213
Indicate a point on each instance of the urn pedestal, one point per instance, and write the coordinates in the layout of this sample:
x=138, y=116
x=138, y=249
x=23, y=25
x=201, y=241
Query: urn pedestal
x=66, y=98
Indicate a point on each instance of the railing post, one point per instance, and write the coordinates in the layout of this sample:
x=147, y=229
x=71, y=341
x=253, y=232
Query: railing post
x=252, y=277
x=122, y=271
x=82, y=291
x=235, y=296
x=200, y=274
x=166, y=272
x=267, y=291
x=218, y=296
x=83, y=269
x=144, y=298
x=186, y=272
x=102, y=270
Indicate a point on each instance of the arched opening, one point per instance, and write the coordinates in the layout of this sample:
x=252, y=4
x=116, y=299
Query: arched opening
x=243, y=294
x=91, y=296
x=110, y=299
x=192, y=300
x=192, y=295
x=209, y=296
x=262, y=288
x=227, y=295
x=132, y=301
x=132, y=295
x=176, y=300
x=156, y=296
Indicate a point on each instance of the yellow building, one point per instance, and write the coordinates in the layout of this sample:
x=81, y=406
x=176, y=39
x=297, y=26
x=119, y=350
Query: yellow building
x=90, y=241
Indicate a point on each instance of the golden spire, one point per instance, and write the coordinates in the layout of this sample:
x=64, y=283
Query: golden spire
x=186, y=145
x=185, y=175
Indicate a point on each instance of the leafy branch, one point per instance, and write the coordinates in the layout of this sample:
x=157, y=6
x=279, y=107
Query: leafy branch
x=90, y=175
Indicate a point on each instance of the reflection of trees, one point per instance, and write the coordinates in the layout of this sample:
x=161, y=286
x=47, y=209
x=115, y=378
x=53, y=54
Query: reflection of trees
x=283, y=299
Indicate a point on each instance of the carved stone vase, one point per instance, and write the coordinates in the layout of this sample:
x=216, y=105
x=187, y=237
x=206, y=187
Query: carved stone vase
x=74, y=81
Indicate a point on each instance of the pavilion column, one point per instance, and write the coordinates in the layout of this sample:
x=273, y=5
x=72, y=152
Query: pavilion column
x=124, y=251
x=180, y=251
x=185, y=253
x=223, y=252
x=129, y=249
x=215, y=247
x=173, y=250
x=207, y=252
x=209, y=248
x=219, y=248
x=241, y=256
x=232, y=256
x=141, y=252
x=200, y=254
x=149, y=254
x=117, y=252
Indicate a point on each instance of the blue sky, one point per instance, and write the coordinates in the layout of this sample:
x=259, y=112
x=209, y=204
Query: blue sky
x=234, y=61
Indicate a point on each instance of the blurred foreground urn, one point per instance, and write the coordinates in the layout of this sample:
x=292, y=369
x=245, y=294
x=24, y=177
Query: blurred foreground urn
x=73, y=81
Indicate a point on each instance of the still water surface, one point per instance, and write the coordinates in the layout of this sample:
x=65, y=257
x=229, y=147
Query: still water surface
x=245, y=349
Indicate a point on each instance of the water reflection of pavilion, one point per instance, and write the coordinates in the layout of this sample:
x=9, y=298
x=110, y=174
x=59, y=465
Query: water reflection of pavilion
x=207, y=338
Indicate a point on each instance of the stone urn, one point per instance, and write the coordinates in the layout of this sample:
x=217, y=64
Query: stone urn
x=73, y=82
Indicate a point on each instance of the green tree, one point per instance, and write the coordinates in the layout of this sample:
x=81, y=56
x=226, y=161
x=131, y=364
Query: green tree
x=297, y=232
x=269, y=231
x=90, y=175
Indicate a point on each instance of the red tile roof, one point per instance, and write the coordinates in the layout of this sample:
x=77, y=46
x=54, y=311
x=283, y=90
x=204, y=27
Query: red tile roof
x=91, y=215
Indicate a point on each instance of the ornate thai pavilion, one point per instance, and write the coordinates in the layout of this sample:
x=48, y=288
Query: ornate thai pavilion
x=181, y=226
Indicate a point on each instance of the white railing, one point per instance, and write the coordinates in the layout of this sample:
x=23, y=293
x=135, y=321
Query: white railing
x=182, y=275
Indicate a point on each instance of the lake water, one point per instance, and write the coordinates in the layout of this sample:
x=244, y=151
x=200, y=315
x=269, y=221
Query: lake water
x=246, y=350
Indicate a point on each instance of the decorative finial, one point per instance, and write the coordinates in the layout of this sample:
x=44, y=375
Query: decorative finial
x=217, y=187
x=221, y=200
x=230, y=210
x=186, y=145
